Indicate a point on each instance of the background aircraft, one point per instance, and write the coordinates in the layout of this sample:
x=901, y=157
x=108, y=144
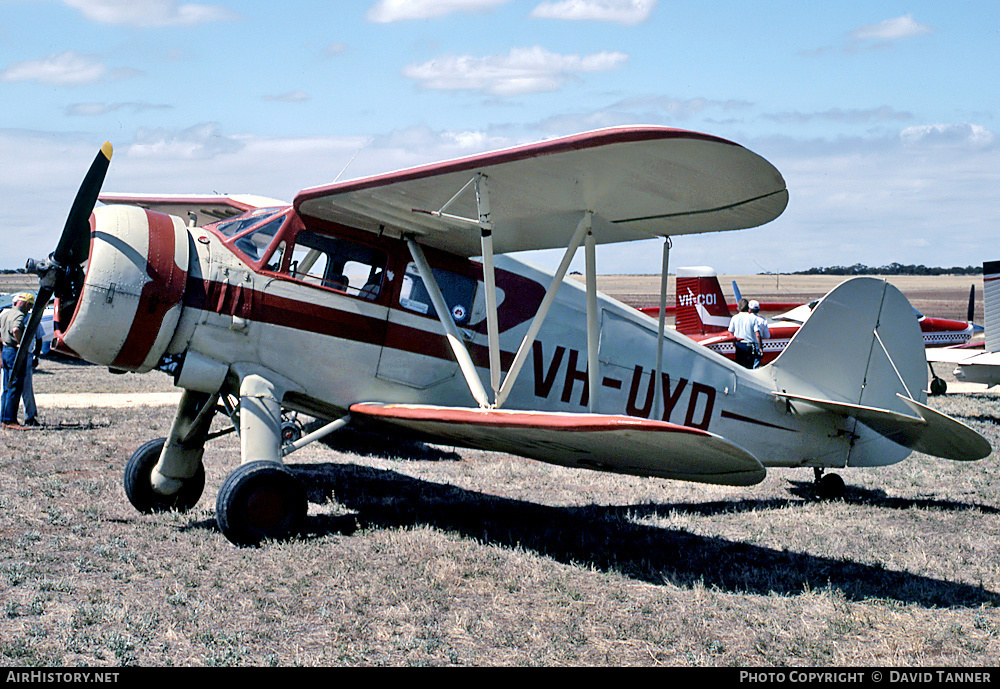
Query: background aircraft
x=360, y=304
x=979, y=366
x=702, y=313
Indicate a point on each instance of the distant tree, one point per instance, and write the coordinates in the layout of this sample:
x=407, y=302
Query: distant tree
x=891, y=269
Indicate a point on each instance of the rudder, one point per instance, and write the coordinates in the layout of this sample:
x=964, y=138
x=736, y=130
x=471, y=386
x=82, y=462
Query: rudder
x=701, y=305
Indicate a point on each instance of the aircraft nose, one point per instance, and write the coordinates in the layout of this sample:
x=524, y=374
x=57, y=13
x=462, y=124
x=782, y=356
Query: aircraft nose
x=133, y=290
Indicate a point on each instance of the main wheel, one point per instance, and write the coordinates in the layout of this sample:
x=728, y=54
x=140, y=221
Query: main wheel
x=831, y=487
x=139, y=484
x=258, y=501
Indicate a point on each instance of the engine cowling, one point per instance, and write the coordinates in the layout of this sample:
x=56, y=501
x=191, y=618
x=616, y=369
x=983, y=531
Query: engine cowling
x=132, y=295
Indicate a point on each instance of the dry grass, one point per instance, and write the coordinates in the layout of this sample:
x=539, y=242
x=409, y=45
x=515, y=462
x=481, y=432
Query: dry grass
x=420, y=555
x=445, y=557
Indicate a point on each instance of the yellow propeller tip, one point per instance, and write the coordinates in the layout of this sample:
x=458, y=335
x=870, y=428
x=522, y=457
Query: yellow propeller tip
x=107, y=149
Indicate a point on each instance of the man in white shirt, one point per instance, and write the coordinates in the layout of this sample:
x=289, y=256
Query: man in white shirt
x=750, y=330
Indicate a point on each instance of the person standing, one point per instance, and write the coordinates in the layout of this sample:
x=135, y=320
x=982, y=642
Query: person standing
x=761, y=330
x=750, y=330
x=11, y=331
x=28, y=394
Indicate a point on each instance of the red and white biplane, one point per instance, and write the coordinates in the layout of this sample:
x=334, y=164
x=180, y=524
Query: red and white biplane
x=360, y=304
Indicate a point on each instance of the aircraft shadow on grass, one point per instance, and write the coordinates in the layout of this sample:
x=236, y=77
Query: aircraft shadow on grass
x=876, y=497
x=608, y=539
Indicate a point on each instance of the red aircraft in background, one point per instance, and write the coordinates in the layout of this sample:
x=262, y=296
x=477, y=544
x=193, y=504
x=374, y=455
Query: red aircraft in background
x=702, y=313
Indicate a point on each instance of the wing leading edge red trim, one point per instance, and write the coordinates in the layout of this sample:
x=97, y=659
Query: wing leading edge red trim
x=620, y=444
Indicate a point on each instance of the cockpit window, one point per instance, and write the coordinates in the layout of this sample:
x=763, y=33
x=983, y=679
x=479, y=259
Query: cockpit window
x=338, y=264
x=230, y=228
x=255, y=242
x=459, y=292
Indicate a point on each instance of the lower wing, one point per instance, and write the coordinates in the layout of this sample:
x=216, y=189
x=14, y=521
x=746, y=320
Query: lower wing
x=620, y=444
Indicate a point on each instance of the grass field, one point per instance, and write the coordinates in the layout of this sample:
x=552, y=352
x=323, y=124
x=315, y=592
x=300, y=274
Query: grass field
x=423, y=555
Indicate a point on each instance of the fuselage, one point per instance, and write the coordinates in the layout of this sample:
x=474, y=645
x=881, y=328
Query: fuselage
x=341, y=316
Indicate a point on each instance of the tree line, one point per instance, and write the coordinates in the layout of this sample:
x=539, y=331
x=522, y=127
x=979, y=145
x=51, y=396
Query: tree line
x=892, y=269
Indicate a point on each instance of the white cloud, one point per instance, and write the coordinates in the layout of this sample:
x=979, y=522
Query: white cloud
x=963, y=134
x=289, y=97
x=386, y=11
x=147, y=13
x=201, y=142
x=68, y=68
x=98, y=109
x=923, y=195
x=880, y=114
x=873, y=36
x=891, y=30
x=621, y=11
x=523, y=70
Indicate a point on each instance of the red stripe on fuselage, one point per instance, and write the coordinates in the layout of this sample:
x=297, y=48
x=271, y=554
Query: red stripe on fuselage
x=164, y=290
x=330, y=321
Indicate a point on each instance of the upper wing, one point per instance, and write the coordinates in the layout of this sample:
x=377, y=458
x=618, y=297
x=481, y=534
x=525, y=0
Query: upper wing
x=640, y=182
x=622, y=444
x=202, y=209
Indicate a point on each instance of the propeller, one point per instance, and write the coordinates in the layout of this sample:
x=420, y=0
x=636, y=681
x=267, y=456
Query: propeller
x=58, y=274
x=972, y=303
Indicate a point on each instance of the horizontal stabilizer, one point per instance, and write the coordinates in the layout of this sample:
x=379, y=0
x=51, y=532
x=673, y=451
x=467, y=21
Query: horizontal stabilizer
x=620, y=444
x=929, y=431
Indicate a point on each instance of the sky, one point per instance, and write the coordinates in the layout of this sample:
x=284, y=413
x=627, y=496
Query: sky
x=882, y=116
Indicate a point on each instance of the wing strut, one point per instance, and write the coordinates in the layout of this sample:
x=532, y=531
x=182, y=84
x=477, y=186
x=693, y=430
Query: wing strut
x=444, y=315
x=661, y=329
x=489, y=278
x=501, y=389
x=582, y=228
x=593, y=322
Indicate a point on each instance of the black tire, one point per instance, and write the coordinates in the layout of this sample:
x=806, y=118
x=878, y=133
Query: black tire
x=831, y=487
x=939, y=386
x=259, y=501
x=139, y=487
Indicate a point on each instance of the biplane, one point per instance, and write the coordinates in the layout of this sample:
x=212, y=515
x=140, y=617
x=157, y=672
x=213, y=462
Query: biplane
x=390, y=302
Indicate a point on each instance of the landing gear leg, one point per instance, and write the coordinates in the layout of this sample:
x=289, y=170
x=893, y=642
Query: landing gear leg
x=261, y=499
x=939, y=386
x=167, y=473
x=828, y=486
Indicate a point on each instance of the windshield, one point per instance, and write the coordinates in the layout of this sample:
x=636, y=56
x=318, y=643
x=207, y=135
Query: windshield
x=229, y=228
x=254, y=242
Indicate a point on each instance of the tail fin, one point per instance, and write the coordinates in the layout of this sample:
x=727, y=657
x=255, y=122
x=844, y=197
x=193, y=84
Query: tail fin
x=991, y=305
x=701, y=306
x=861, y=356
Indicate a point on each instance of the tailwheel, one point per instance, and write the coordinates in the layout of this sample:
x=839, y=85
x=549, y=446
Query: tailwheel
x=829, y=486
x=291, y=427
x=139, y=485
x=258, y=501
x=938, y=386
